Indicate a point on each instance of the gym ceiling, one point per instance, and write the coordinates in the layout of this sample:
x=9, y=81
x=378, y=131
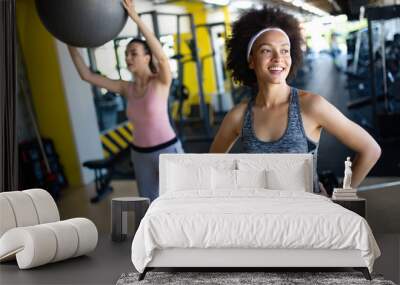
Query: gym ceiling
x=351, y=8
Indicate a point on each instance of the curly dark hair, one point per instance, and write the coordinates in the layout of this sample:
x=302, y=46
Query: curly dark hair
x=249, y=24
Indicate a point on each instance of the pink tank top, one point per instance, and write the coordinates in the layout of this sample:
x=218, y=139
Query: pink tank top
x=149, y=116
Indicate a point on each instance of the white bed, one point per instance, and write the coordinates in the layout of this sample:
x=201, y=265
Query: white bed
x=215, y=211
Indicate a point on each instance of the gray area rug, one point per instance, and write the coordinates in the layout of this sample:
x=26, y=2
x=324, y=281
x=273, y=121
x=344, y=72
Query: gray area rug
x=243, y=278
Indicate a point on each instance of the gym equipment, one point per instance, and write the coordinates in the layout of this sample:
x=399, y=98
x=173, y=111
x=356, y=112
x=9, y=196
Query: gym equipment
x=105, y=171
x=178, y=93
x=82, y=23
x=377, y=81
x=218, y=63
x=116, y=147
x=389, y=116
x=32, y=169
x=204, y=112
x=39, y=164
x=102, y=181
x=374, y=75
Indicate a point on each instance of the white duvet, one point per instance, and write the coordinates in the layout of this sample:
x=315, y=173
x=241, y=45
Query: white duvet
x=253, y=218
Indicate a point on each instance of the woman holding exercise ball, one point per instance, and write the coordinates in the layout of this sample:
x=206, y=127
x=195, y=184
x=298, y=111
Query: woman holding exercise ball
x=147, y=102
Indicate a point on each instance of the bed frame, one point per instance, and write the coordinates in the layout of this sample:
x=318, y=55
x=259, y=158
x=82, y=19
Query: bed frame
x=246, y=259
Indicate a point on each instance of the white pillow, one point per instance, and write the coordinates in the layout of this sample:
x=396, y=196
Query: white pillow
x=227, y=179
x=251, y=178
x=298, y=180
x=287, y=173
x=181, y=177
x=223, y=179
x=199, y=160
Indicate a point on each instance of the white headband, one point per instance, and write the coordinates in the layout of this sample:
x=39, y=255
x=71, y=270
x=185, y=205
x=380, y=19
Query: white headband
x=255, y=37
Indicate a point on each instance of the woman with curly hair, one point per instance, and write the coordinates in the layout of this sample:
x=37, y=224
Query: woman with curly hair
x=263, y=52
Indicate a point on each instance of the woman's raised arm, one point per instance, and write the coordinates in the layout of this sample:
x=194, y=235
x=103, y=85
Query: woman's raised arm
x=117, y=86
x=164, y=74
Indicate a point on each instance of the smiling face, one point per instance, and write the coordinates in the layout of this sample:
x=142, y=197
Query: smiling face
x=136, y=57
x=270, y=57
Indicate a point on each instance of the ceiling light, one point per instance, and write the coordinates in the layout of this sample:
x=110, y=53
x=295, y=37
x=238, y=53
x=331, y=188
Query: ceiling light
x=217, y=2
x=244, y=4
x=298, y=3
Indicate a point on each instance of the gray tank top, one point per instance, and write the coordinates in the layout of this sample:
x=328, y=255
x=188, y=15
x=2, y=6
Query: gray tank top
x=294, y=140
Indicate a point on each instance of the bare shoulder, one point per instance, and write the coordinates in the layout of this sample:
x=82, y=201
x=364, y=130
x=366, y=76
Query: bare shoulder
x=234, y=119
x=236, y=114
x=311, y=103
x=319, y=109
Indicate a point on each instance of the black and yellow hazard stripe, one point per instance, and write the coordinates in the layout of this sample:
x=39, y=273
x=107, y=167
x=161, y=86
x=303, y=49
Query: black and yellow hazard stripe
x=116, y=140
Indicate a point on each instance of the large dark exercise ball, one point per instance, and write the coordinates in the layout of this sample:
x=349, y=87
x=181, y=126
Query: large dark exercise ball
x=82, y=23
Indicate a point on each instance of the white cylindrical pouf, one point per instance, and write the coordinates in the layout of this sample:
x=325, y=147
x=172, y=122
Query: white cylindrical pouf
x=23, y=208
x=45, y=206
x=87, y=235
x=67, y=239
x=34, y=246
x=7, y=217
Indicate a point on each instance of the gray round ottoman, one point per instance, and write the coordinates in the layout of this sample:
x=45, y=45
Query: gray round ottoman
x=119, y=215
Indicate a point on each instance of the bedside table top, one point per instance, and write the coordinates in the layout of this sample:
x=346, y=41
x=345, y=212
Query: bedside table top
x=350, y=199
x=130, y=199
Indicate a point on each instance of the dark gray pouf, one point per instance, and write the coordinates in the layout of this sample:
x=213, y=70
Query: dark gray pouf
x=244, y=278
x=119, y=208
x=82, y=23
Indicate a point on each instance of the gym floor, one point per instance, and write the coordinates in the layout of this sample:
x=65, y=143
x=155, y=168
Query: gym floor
x=110, y=259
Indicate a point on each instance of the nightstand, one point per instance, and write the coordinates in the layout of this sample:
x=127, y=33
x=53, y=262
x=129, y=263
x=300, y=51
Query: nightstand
x=357, y=205
x=119, y=215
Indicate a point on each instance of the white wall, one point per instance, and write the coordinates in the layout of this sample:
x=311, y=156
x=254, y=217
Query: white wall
x=167, y=24
x=82, y=113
